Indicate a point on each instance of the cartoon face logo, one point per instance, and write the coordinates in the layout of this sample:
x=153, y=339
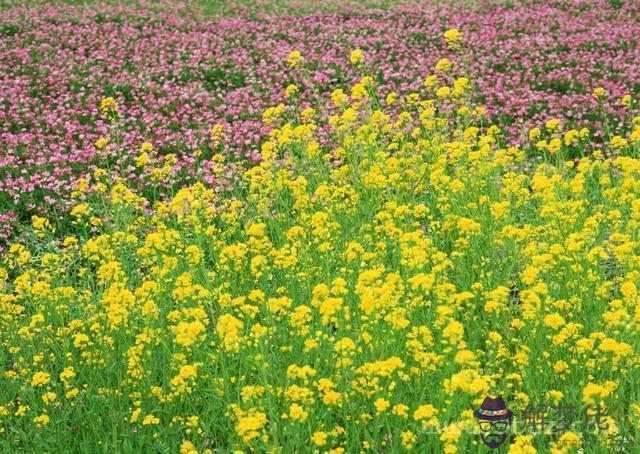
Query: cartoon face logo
x=494, y=419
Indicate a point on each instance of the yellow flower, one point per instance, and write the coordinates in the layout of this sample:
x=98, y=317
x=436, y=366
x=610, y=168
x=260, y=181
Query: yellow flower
x=49, y=397
x=571, y=137
x=560, y=367
x=401, y=410
x=67, y=374
x=101, y=143
x=319, y=438
x=523, y=444
x=146, y=147
x=408, y=439
x=216, y=134
x=291, y=90
x=150, y=420
x=187, y=333
x=358, y=92
x=628, y=290
x=307, y=115
x=40, y=379
x=41, y=420
x=338, y=97
x=194, y=254
x=248, y=427
x=594, y=392
x=443, y=92
x=356, y=57
x=350, y=115
x=554, y=125
x=598, y=92
x=41, y=224
x=430, y=81
x=554, y=321
x=142, y=160
x=72, y=393
x=272, y=114
x=135, y=414
x=460, y=86
x=426, y=414
x=554, y=145
x=444, y=65
x=452, y=37
x=465, y=357
x=554, y=395
x=186, y=375
x=80, y=340
x=569, y=439
x=618, y=142
x=228, y=328
x=294, y=58
x=188, y=447
x=109, y=108
x=381, y=404
x=529, y=275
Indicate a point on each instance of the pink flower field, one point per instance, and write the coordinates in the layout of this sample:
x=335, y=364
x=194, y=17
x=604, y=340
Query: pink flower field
x=174, y=76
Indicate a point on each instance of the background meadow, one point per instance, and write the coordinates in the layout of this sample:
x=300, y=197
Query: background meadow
x=176, y=72
x=312, y=227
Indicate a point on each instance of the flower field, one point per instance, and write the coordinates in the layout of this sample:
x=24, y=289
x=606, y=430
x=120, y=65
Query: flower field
x=176, y=75
x=319, y=232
